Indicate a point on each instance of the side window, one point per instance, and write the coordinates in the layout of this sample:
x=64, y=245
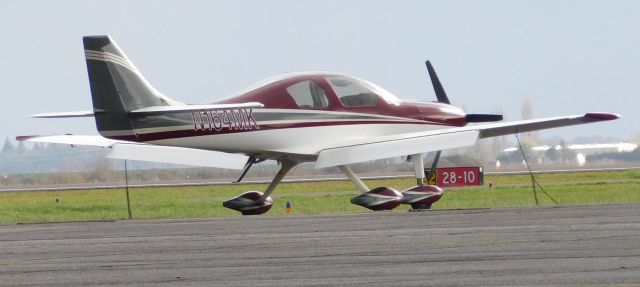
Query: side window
x=308, y=95
x=352, y=93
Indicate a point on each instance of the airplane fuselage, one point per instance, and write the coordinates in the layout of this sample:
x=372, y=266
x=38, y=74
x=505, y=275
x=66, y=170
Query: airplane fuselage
x=289, y=125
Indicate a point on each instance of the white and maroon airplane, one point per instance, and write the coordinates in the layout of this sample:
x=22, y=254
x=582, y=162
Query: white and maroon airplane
x=329, y=118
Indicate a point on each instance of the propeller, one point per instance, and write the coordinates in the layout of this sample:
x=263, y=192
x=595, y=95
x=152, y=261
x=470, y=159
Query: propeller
x=441, y=95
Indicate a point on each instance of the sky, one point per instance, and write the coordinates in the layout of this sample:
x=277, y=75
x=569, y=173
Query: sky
x=565, y=57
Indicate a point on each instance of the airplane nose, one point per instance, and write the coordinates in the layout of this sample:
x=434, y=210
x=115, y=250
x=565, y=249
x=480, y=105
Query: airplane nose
x=444, y=113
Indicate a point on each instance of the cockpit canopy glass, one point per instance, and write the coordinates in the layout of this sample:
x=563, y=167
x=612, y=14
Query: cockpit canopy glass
x=308, y=95
x=354, y=92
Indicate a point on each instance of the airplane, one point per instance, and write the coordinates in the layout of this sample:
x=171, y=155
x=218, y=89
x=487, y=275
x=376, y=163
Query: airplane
x=332, y=119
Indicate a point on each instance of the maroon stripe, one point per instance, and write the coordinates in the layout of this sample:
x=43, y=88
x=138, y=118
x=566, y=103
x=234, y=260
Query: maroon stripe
x=193, y=133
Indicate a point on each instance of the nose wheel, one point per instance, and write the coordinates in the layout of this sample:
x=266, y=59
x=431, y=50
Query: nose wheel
x=422, y=197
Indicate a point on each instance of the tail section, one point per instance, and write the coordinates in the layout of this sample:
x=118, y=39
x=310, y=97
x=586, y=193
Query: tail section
x=117, y=87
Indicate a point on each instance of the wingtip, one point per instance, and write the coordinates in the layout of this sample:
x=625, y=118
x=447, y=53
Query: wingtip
x=24, y=138
x=603, y=116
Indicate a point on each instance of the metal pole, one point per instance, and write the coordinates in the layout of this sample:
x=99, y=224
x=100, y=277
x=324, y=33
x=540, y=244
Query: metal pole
x=126, y=187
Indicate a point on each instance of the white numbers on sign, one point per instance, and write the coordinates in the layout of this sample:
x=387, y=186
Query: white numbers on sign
x=452, y=177
x=469, y=176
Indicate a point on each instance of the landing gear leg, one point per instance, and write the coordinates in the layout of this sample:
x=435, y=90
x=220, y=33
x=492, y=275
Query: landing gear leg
x=354, y=178
x=418, y=167
x=381, y=198
x=287, y=165
x=255, y=202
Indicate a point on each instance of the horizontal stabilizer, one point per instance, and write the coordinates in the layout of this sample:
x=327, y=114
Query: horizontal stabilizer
x=483, y=118
x=76, y=114
x=187, y=108
x=153, y=110
x=145, y=152
x=80, y=140
x=178, y=155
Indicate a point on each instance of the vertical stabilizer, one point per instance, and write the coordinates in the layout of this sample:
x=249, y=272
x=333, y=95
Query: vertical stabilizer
x=117, y=87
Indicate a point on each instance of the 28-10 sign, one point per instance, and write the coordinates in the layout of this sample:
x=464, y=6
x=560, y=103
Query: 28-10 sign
x=459, y=176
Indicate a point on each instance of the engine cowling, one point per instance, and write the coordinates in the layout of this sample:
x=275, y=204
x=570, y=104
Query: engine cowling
x=422, y=197
x=380, y=198
x=247, y=203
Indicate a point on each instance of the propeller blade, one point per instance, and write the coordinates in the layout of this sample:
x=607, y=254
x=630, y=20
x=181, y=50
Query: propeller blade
x=440, y=94
x=481, y=118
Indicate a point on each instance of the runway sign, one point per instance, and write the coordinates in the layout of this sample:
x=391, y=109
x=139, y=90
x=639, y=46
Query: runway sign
x=459, y=176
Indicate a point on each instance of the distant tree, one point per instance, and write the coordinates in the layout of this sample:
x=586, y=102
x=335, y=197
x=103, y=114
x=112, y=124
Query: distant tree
x=527, y=110
x=37, y=147
x=101, y=170
x=567, y=155
x=530, y=138
x=482, y=151
x=21, y=149
x=498, y=144
x=552, y=154
x=8, y=146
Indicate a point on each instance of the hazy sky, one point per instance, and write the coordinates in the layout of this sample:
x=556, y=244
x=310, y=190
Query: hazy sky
x=566, y=57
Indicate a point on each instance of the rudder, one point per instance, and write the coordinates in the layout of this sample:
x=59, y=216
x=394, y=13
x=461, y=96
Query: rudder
x=117, y=87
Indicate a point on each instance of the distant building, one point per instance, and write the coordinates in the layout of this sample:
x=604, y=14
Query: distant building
x=581, y=151
x=586, y=148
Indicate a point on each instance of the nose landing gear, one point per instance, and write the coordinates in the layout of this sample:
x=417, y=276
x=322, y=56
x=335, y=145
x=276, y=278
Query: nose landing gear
x=420, y=197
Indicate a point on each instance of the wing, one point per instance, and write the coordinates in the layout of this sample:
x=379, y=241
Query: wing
x=448, y=138
x=146, y=152
x=500, y=129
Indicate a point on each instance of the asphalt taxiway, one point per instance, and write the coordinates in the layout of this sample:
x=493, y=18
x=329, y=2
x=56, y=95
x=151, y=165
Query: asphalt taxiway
x=541, y=246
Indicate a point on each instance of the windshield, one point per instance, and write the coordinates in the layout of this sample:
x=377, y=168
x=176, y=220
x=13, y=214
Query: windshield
x=354, y=92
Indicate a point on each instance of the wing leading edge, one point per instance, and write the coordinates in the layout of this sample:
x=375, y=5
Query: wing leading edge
x=380, y=148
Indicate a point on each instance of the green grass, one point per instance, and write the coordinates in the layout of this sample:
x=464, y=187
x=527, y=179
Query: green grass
x=310, y=198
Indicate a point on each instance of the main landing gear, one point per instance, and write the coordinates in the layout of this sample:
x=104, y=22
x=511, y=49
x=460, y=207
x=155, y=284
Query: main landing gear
x=255, y=202
x=420, y=197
